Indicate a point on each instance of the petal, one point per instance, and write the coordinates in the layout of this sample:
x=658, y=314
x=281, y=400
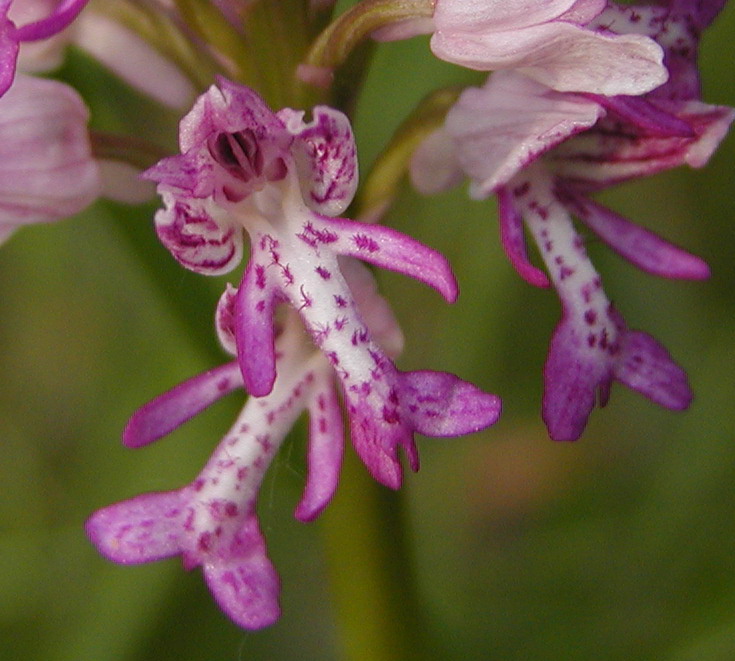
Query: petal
x=227, y=108
x=496, y=15
x=645, y=115
x=376, y=441
x=512, y=239
x=501, y=128
x=224, y=319
x=326, y=158
x=142, y=529
x=254, y=329
x=172, y=409
x=646, y=367
x=441, y=404
x=388, y=249
x=46, y=167
x=245, y=584
x=198, y=234
x=562, y=56
x=642, y=248
x=572, y=377
x=616, y=153
x=324, y=458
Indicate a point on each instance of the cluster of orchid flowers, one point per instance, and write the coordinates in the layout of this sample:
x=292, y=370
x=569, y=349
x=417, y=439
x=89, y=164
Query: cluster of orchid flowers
x=586, y=94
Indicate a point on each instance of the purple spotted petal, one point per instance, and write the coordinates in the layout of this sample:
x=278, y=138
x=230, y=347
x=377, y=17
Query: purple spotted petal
x=574, y=378
x=512, y=239
x=172, y=409
x=142, y=529
x=647, y=367
x=377, y=432
x=326, y=443
x=386, y=248
x=245, y=584
x=441, y=404
x=639, y=246
x=254, y=328
x=577, y=373
x=198, y=235
x=326, y=158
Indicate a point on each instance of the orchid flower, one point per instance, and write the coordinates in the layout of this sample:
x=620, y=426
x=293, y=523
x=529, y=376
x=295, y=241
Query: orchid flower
x=561, y=43
x=212, y=522
x=283, y=180
x=542, y=152
x=11, y=36
x=47, y=171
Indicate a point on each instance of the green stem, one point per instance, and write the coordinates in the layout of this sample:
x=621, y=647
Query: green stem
x=372, y=579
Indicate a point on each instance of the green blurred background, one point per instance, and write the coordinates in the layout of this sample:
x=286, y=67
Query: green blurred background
x=618, y=547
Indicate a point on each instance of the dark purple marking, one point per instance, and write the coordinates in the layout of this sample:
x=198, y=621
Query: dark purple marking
x=204, y=541
x=324, y=273
x=260, y=276
x=364, y=242
x=520, y=191
x=231, y=509
x=391, y=415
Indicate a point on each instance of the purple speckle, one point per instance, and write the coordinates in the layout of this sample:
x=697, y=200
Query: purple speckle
x=306, y=300
x=520, y=191
x=324, y=273
x=391, y=416
x=364, y=242
x=231, y=509
x=204, y=541
x=260, y=276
